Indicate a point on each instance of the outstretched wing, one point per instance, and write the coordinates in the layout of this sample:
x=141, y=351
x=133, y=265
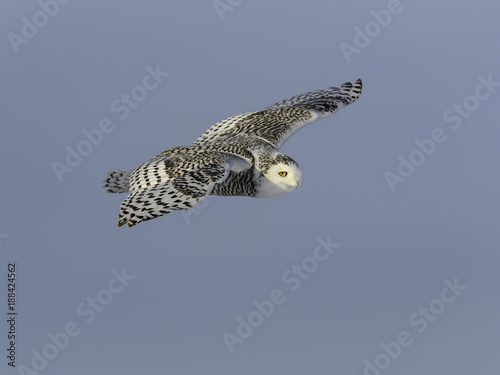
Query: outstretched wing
x=277, y=123
x=174, y=181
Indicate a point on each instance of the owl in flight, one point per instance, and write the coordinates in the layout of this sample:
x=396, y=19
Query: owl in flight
x=236, y=156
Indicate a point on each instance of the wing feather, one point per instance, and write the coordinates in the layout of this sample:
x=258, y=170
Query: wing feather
x=175, y=181
x=277, y=123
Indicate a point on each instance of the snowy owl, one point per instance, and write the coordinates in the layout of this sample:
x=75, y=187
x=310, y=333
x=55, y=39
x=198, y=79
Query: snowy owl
x=236, y=156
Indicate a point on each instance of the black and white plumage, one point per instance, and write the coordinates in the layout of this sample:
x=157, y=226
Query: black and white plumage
x=236, y=156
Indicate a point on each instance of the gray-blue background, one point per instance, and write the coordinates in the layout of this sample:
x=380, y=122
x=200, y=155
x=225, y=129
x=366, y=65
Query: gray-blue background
x=194, y=275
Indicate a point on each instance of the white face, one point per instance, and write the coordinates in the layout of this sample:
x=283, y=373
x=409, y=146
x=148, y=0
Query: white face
x=279, y=179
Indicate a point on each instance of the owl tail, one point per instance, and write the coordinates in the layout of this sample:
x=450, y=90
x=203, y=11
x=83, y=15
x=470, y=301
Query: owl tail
x=118, y=181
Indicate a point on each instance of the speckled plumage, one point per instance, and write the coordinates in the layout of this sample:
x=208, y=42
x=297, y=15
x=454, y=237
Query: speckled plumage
x=236, y=156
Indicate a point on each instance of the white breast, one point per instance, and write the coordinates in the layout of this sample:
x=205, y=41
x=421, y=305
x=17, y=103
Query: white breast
x=237, y=164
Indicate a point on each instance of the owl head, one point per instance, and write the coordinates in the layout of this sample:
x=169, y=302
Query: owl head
x=280, y=177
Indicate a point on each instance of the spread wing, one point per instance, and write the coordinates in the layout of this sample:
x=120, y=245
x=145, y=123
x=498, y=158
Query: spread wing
x=277, y=123
x=175, y=180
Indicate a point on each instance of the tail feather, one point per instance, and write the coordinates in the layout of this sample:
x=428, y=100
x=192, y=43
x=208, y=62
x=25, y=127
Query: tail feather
x=118, y=181
x=353, y=90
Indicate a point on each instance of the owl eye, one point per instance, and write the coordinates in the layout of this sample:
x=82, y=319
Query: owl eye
x=283, y=174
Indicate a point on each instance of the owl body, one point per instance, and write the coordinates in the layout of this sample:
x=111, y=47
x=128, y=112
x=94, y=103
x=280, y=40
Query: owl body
x=235, y=157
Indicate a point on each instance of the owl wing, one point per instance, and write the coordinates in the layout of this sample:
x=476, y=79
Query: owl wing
x=174, y=180
x=277, y=123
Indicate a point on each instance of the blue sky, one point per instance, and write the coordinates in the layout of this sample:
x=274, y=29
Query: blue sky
x=383, y=261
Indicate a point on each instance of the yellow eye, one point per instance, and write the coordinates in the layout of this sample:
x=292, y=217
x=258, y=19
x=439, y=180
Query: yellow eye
x=283, y=174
